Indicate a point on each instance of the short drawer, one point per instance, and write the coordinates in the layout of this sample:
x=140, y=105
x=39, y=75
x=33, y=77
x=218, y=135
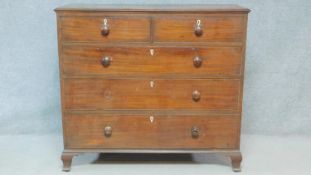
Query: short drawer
x=199, y=29
x=152, y=61
x=151, y=132
x=105, y=29
x=100, y=94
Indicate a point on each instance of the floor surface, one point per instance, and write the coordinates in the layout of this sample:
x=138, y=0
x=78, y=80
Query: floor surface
x=262, y=155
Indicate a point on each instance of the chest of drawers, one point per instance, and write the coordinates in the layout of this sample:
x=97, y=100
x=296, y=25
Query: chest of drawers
x=151, y=79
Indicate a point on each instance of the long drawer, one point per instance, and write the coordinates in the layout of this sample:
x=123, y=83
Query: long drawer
x=151, y=132
x=101, y=94
x=152, y=61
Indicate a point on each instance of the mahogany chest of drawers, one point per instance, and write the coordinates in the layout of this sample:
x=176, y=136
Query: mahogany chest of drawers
x=152, y=79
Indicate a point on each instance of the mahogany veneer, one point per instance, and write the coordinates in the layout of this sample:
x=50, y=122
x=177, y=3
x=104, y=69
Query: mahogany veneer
x=152, y=79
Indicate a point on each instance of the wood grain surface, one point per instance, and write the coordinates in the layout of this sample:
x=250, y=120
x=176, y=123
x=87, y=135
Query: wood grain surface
x=98, y=94
x=181, y=29
x=130, y=61
x=87, y=131
x=88, y=29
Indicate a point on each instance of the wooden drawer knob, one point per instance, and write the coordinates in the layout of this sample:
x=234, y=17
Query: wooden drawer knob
x=108, y=131
x=198, y=28
x=195, y=132
x=197, y=61
x=196, y=95
x=105, y=28
x=106, y=61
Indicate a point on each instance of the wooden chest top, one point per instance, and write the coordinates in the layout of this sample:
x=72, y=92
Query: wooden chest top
x=215, y=8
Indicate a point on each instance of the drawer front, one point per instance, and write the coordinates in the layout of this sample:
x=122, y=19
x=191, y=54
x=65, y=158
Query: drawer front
x=105, y=29
x=206, y=61
x=126, y=132
x=100, y=94
x=211, y=28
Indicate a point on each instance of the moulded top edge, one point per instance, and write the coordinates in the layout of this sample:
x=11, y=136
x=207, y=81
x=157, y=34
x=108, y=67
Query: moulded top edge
x=155, y=8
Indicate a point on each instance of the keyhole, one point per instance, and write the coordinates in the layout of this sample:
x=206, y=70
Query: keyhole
x=151, y=119
x=151, y=52
x=152, y=84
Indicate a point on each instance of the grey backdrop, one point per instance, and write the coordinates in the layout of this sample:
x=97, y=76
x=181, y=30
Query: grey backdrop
x=277, y=97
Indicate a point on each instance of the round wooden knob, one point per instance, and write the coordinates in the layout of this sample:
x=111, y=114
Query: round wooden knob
x=106, y=61
x=105, y=28
x=108, y=131
x=195, y=132
x=196, y=95
x=197, y=61
x=198, y=31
